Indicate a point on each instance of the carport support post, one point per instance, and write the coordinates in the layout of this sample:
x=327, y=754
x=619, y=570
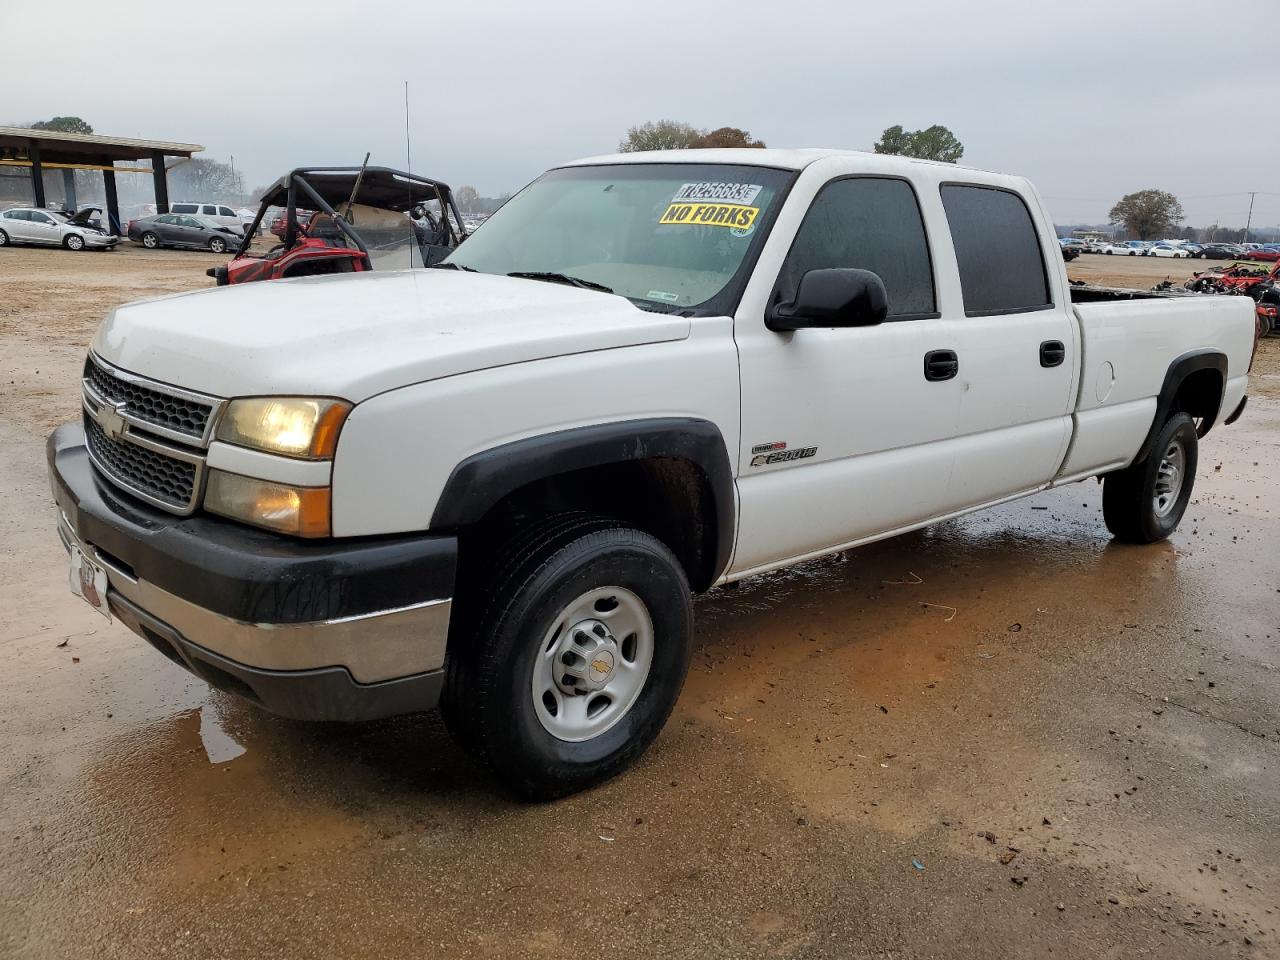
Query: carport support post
x=113, y=202
x=159, y=177
x=69, y=190
x=37, y=173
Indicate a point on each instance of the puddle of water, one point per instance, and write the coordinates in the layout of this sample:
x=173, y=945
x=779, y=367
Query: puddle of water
x=218, y=745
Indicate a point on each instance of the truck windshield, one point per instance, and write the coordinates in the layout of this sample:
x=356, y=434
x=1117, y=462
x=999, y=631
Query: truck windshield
x=676, y=236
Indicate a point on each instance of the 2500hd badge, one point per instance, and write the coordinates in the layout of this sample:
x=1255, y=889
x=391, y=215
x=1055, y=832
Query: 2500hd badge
x=767, y=454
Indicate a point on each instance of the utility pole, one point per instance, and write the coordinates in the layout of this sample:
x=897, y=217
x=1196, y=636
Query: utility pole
x=1249, y=222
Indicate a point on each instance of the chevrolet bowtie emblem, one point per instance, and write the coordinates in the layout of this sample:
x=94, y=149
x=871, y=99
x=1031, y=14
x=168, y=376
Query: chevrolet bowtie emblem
x=111, y=419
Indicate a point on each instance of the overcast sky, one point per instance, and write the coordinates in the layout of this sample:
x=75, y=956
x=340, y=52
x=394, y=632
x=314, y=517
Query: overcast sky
x=1091, y=99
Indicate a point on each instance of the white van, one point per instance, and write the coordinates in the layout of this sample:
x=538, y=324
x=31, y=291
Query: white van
x=219, y=213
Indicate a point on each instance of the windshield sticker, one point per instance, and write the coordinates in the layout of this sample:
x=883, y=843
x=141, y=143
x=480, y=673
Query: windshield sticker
x=743, y=193
x=710, y=215
x=662, y=295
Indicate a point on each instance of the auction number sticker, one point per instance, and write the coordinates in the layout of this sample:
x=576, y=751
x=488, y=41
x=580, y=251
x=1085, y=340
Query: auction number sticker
x=724, y=192
x=733, y=215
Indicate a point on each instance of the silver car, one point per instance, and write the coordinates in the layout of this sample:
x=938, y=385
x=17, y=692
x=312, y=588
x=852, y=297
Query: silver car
x=53, y=228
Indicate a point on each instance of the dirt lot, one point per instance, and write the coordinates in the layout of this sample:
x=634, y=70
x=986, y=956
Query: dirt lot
x=1050, y=744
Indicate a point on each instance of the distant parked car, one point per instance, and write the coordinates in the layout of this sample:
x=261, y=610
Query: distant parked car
x=1268, y=252
x=52, y=228
x=1168, y=250
x=1120, y=249
x=177, y=230
x=1218, y=251
x=219, y=213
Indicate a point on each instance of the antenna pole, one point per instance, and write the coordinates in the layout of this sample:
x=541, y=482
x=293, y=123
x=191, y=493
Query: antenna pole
x=1248, y=223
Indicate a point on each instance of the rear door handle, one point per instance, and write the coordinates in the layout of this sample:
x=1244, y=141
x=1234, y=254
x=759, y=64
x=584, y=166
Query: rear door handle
x=1052, y=353
x=941, y=365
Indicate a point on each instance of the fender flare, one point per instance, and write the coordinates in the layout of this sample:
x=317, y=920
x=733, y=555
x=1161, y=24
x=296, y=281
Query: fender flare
x=1181, y=368
x=482, y=479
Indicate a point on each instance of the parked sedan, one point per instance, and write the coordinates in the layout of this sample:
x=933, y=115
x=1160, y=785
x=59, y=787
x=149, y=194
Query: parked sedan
x=181, y=230
x=1121, y=249
x=1168, y=250
x=1268, y=252
x=1218, y=251
x=52, y=228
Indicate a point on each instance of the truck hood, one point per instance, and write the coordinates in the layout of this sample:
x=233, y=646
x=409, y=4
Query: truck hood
x=356, y=336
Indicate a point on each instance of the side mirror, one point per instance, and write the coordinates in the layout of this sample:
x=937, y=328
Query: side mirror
x=835, y=297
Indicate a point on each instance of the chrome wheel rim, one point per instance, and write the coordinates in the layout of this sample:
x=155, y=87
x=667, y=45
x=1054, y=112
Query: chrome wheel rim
x=148, y=241
x=74, y=242
x=592, y=664
x=1170, y=476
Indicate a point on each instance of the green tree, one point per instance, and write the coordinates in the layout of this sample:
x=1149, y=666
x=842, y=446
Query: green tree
x=1148, y=214
x=725, y=137
x=468, y=199
x=659, y=135
x=932, y=143
x=63, y=125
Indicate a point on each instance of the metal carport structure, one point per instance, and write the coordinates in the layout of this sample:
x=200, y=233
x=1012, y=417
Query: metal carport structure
x=41, y=150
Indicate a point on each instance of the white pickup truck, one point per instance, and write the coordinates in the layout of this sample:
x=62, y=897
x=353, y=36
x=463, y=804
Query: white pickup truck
x=493, y=484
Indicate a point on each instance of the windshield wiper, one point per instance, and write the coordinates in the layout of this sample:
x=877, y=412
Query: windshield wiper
x=561, y=278
x=452, y=266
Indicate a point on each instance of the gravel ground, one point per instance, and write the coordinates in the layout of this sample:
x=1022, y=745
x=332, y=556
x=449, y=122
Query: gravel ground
x=1050, y=744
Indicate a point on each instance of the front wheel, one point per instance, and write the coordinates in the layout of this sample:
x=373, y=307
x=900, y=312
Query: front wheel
x=4, y=239
x=1145, y=501
x=150, y=241
x=73, y=241
x=575, y=658
x=218, y=245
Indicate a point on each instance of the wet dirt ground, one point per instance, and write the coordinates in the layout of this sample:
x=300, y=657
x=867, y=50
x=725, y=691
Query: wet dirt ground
x=1002, y=736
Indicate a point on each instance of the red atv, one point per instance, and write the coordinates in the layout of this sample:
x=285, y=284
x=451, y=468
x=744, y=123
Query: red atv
x=347, y=220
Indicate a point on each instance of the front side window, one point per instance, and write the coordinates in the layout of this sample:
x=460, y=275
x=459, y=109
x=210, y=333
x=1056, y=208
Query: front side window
x=40, y=218
x=871, y=223
x=997, y=250
x=668, y=236
x=225, y=212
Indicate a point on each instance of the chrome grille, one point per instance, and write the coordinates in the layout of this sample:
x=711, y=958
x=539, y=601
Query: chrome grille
x=141, y=470
x=181, y=412
x=147, y=438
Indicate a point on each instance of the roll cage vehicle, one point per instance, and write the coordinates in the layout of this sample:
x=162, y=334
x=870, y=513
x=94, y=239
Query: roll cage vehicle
x=349, y=220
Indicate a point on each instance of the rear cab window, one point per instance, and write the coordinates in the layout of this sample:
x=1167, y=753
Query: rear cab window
x=1001, y=264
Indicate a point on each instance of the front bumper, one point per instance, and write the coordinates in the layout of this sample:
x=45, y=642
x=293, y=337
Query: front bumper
x=317, y=630
x=100, y=240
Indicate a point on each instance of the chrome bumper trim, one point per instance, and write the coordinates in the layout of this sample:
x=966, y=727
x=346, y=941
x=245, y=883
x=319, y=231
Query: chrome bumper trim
x=383, y=645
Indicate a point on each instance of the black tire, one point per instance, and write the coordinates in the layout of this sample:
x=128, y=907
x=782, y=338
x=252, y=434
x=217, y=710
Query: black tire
x=150, y=241
x=488, y=703
x=1129, y=504
x=4, y=239
x=218, y=245
x=73, y=241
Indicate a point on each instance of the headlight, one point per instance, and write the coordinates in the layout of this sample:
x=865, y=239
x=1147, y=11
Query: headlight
x=301, y=511
x=293, y=426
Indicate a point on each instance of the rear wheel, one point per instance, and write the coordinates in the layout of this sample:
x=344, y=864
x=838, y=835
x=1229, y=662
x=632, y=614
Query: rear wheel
x=150, y=240
x=4, y=239
x=218, y=245
x=1145, y=502
x=73, y=241
x=574, y=658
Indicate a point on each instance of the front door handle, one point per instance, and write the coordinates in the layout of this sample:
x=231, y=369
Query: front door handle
x=941, y=365
x=1052, y=353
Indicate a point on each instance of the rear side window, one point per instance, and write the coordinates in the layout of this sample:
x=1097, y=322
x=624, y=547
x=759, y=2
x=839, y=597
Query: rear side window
x=209, y=209
x=997, y=251
x=184, y=208
x=871, y=223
